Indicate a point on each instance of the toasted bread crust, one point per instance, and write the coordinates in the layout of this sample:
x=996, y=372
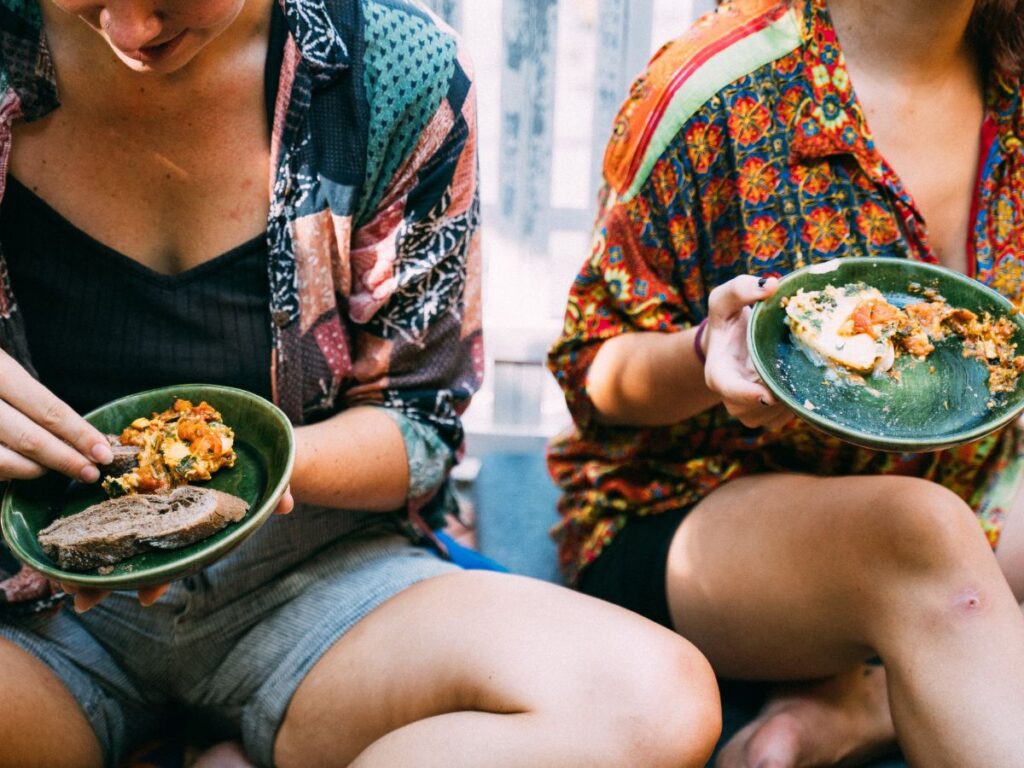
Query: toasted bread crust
x=116, y=529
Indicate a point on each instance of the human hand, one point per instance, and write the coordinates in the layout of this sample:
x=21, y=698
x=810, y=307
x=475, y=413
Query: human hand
x=39, y=432
x=728, y=371
x=286, y=504
x=87, y=598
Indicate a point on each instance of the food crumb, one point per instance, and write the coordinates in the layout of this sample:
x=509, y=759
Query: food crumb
x=808, y=405
x=105, y=570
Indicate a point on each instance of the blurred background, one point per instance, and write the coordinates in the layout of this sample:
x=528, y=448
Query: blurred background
x=550, y=77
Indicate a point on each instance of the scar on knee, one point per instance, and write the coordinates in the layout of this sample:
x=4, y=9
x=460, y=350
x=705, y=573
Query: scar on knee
x=971, y=601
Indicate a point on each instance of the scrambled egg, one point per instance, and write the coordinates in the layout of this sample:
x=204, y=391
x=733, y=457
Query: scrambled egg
x=183, y=444
x=856, y=329
x=850, y=326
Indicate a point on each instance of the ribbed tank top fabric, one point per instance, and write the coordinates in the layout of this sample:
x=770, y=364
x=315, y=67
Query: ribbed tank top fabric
x=100, y=325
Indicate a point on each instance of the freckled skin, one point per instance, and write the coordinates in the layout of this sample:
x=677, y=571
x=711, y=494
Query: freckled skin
x=192, y=133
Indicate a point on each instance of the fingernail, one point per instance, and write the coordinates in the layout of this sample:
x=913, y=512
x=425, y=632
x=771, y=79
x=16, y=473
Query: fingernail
x=762, y=282
x=89, y=474
x=102, y=453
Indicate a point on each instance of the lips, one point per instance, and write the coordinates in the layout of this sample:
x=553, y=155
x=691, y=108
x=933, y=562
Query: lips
x=153, y=54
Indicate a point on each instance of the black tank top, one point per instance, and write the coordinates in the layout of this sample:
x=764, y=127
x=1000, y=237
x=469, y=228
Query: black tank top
x=100, y=325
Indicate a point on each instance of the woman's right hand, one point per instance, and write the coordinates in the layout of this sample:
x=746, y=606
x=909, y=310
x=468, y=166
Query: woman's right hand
x=728, y=371
x=39, y=432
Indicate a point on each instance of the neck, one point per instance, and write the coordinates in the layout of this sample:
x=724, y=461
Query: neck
x=910, y=39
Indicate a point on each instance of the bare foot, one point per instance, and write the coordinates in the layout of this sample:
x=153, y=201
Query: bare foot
x=843, y=721
x=226, y=755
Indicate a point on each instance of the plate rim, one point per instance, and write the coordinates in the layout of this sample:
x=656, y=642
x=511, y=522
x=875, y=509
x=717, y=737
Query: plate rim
x=162, y=573
x=851, y=434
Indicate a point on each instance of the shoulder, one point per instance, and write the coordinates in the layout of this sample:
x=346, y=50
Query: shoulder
x=406, y=45
x=413, y=64
x=417, y=80
x=686, y=74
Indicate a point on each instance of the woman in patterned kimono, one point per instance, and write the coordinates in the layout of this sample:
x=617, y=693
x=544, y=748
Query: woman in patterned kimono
x=690, y=495
x=141, y=141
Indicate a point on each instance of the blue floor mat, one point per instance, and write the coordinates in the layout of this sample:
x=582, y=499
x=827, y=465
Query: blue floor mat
x=515, y=503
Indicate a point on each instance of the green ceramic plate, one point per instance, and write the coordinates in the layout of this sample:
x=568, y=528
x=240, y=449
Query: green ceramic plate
x=923, y=410
x=266, y=452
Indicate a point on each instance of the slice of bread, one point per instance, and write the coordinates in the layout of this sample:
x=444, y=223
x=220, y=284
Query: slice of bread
x=126, y=457
x=116, y=529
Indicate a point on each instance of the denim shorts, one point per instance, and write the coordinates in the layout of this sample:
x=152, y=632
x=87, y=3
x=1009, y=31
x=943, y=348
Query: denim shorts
x=232, y=643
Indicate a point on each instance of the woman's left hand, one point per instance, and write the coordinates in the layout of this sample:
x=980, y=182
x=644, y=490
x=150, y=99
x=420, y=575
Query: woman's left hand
x=728, y=370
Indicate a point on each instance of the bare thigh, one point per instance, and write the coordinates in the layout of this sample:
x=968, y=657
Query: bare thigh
x=486, y=643
x=790, y=576
x=37, y=707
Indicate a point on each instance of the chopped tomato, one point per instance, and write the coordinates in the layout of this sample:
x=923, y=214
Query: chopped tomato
x=870, y=314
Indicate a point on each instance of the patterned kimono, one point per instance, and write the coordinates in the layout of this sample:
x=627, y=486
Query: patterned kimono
x=743, y=150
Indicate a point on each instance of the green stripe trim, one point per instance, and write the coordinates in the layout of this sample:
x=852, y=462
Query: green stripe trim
x=741, y=58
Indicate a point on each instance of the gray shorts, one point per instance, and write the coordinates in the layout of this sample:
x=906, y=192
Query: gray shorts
x=231, y=644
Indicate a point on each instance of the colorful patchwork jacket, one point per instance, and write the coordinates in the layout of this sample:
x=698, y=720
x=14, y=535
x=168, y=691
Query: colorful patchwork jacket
x=374, y=214
x=743, y=150
x=373, y=229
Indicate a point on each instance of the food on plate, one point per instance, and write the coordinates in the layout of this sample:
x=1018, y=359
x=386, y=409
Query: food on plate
x=989, y=341
x=850, y=327
x=184, y=444
x=152, y=505
x=854, y=330
x=119, y=528
x=126, y=457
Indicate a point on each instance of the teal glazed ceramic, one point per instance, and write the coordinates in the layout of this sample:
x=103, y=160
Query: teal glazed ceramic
x=936, y=403
x=265, y=451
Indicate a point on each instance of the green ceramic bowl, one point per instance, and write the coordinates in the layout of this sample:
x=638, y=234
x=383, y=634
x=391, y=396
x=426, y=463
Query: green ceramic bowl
x=265, y=448
x=924, y=410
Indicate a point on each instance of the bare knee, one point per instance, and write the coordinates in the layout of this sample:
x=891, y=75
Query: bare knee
x=665, y=710
x=934, y=566
x=923, y=527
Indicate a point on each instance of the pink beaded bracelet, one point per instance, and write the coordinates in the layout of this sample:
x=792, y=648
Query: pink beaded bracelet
x=697, y=339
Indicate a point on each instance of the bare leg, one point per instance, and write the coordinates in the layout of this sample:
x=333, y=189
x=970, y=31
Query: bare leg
x=42, y=725
x=846, y=719
x=842, y=720
x=479, y=669
x=787, y=577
